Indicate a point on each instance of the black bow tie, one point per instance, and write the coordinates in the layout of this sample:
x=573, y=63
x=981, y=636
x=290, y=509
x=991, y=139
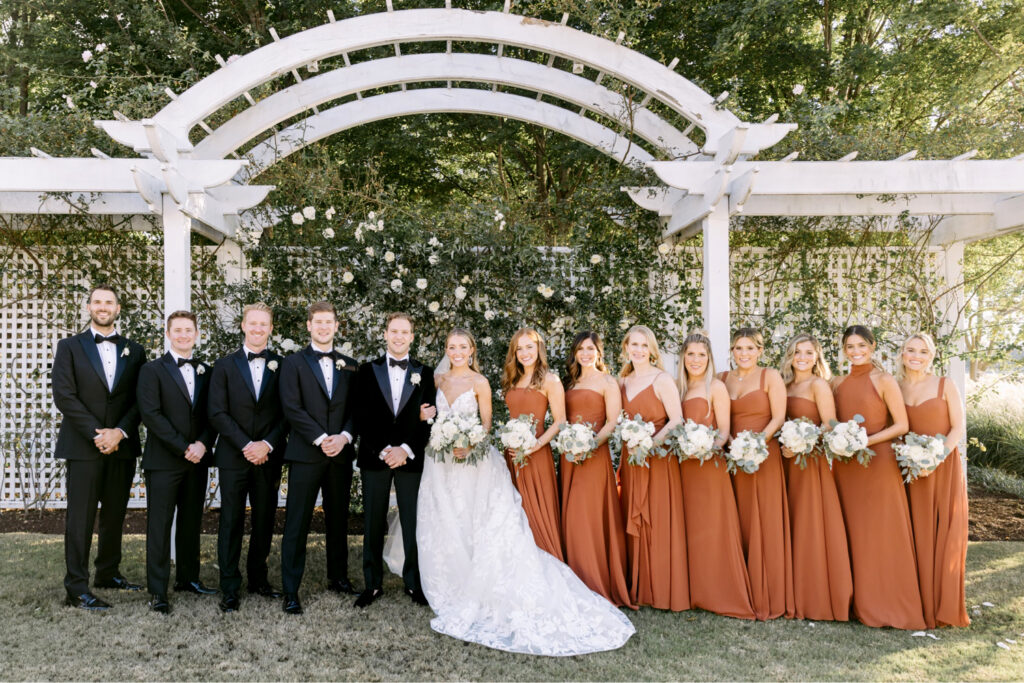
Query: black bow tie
x=404, y=363
x=320, y=355
x=194, y=362
x=253, y=356
x=113, y=339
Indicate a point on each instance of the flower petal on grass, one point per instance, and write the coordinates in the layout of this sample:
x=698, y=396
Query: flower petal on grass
x=1003, y=645
x=987, y=604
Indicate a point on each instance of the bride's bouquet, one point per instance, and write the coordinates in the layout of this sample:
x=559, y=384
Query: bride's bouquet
x=576, y=441
x=746, y=452
x=457, y=430
x=692, y=441
x=920, y=455
x=800, y=436
x=848, y=440
x=636, y=435
x=519, y=436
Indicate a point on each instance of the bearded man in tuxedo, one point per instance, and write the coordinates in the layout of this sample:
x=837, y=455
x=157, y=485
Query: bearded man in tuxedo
x=94, y=376
x=245, y=409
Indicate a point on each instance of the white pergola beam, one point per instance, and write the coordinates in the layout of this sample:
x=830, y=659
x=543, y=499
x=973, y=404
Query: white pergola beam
x=103, y=203
x=83, y=174
x=1009, y=213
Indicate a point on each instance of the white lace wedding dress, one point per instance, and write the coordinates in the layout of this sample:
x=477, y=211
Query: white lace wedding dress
x=484, y=576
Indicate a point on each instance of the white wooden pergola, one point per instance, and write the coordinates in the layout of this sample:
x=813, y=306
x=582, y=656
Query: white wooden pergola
x=205, y=186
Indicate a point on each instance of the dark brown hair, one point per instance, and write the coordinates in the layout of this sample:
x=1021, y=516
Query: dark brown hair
x=104, y=288
x=572, y=368
x=188, y=315
x=321, y=307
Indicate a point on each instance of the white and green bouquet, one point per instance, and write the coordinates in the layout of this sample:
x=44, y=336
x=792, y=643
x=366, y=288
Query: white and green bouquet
x=746, y=452
x=848, y=440
x=920, y=455
x=457, y=430
x=637, y=435
x=519, y=435
x=800, y=436
x=576, y=441
x=692, y=441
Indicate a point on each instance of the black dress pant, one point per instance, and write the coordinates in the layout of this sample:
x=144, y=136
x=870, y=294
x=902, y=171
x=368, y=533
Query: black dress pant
x=106, y=480
x=166, y=491
x=332, y=477
x=376, y=497
x=261, y=484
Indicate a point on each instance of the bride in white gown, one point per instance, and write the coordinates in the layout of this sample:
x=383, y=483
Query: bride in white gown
x=485, y=578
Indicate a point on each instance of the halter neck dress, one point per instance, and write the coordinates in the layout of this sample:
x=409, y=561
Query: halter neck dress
x=938, y=511
x=885, y=590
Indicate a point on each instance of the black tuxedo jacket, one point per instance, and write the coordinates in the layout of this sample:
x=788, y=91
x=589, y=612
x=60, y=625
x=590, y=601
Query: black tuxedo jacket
x=307, y=408
x=239, y=417
x=172, y=420
x=81, y=394
x=379, y=427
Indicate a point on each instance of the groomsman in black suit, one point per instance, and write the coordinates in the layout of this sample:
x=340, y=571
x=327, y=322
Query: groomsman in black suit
x=172, y=396
x=392, y=438
x=316, y=398
x=94, y=376
x=245, y=410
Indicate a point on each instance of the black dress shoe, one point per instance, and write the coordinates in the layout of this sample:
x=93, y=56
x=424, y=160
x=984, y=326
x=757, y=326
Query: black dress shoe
x=292, y=604
x=417, y=596
x=367, y=597
x=228, y=603
x=196, y=587
x=87, y=601
x=118, y=583
x=266, y=590
x=159, y=604
x=341, y=586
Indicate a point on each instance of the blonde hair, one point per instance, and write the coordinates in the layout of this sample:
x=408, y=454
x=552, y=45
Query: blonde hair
x=697, y=337
x=820, y=368
x=513, y=370
x=474, y=364
x=929, y=344
x=257, y=306
x=652, y=346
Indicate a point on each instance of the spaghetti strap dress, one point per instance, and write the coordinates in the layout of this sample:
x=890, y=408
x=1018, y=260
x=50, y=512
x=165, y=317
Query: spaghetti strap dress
x=885, y=590
x=595, y=540
x=536, y=480
x=938, y=512
x=822, y=581
x=652, y=505
x=714, y=546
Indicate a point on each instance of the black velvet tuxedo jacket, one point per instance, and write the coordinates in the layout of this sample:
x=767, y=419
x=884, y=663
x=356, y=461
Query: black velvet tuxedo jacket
x=81, y=394
x=379, y=426
x=172, y=420
x=308, y=409
x=239, y=417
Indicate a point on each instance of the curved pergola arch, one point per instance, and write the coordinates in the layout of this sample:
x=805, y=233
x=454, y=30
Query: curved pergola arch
x=431, y=67
x=438, y=100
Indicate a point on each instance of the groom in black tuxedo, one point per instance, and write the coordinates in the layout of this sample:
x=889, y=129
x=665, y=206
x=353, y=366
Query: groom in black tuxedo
x=317, y=401
x=245, y=409
x=392, y=438
x=94, y=376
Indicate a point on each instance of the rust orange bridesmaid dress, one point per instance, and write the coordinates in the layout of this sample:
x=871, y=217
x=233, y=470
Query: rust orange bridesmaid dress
x=938, y=512
x=595, y=540
x=822, y=581
x=764, y=512
x=714, y=546
x=652, y=504
x=885, y=590
x=536, y=480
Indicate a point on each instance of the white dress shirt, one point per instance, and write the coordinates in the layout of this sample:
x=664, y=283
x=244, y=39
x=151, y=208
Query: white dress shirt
x=256, y=368
x=396, y=374
x=108, y=357
x=188, y=373
x=327, y=367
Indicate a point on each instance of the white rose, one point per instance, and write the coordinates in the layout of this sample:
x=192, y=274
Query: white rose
x=272, y=366
x=840, y=443
x=200, y=369
x=396, y=284
x=389, y=256
x=372, y=216
x=596, y=258
x=87, y=56
x=309, y=213
x=433, y=259
x=434, y=242
x=486, y=341
x=347, y=277
x=623, y=324
x=570, y=299
x=414, y=379
x=69, y=102
x=297, y=218
x=380, y=225
x=101, y=47
x=607, y=289
x=346, y=348
x=489, y=314
x=433, y=307
x=798, y=89
x=663, y=248
x=329, y=233
x=460, y=293
x=93, y=84
x=370, y=252
x=329, y=213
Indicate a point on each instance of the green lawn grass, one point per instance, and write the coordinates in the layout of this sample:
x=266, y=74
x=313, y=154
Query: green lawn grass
x=41, y=639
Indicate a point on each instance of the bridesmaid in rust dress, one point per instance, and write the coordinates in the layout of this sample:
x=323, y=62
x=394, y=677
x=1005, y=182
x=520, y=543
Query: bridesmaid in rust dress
x=822, y=582
x=595, y=540
x=938, y=501
x=652, y=497
x=759, y=405
x=714, y=545
x=531, y=389
x=885, y=590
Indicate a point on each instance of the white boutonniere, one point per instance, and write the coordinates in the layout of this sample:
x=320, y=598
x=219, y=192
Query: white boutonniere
x=200, y=369
x=340, y=363
x=272, y=366
x=415, y=379
x=127, y=352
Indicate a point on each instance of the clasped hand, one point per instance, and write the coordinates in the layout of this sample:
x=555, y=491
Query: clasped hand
x=107, y=440
x=256, y=452
x=333, y=444
x=195, y=452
